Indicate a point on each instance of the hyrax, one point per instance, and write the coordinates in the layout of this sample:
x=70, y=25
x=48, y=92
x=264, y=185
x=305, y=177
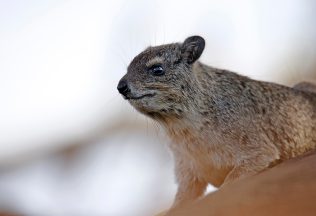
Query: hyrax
x=223, y=126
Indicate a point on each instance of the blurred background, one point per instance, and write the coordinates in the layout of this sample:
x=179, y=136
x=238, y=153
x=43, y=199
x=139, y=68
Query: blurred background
x=69, y=144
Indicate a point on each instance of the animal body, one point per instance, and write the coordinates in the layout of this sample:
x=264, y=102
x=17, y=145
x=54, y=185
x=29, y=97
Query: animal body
x=223, y=126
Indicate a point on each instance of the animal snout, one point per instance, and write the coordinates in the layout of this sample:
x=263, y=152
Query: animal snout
x=123, y=88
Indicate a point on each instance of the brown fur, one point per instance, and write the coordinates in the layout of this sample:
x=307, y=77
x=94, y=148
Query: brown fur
x=223, y=126
x=306, y=86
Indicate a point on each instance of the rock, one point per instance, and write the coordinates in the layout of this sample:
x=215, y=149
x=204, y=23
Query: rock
x=287, y=189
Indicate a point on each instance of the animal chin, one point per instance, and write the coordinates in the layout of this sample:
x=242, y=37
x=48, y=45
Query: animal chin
x=139, y=97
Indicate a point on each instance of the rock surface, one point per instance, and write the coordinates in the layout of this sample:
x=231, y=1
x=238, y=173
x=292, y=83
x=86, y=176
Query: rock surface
x=287, y=189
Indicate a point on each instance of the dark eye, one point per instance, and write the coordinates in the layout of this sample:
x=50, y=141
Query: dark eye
x=157, y=70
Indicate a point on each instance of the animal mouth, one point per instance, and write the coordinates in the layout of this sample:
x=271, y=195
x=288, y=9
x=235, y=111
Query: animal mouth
x=139, y=97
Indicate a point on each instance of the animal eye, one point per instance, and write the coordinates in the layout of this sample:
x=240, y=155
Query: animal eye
x=157, y=70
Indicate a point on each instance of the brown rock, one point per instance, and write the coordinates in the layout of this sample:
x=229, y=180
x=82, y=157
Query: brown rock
x=287, y=189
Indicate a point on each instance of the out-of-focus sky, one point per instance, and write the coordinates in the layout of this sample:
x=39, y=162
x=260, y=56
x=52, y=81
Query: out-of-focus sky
x=60, y=62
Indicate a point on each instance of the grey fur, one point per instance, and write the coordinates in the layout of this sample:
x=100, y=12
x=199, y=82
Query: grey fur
x=223, y=126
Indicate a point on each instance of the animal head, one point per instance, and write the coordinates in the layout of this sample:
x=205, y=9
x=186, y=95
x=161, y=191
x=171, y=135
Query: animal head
x=159, y=81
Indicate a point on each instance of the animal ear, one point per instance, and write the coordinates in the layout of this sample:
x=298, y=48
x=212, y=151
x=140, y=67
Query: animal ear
x=192, y=48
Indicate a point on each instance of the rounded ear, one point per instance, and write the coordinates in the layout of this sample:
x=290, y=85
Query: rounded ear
x=192, y=48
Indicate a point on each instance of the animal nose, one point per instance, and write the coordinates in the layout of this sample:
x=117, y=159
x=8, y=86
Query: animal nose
x=122, y=87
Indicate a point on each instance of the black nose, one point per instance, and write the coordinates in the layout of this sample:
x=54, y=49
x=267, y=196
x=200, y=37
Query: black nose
x=122, y=87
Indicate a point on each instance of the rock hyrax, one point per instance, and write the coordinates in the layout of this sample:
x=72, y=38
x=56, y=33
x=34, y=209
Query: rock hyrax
x=223, y=126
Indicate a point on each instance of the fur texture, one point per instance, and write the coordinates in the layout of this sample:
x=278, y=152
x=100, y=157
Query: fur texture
x=223, y=126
